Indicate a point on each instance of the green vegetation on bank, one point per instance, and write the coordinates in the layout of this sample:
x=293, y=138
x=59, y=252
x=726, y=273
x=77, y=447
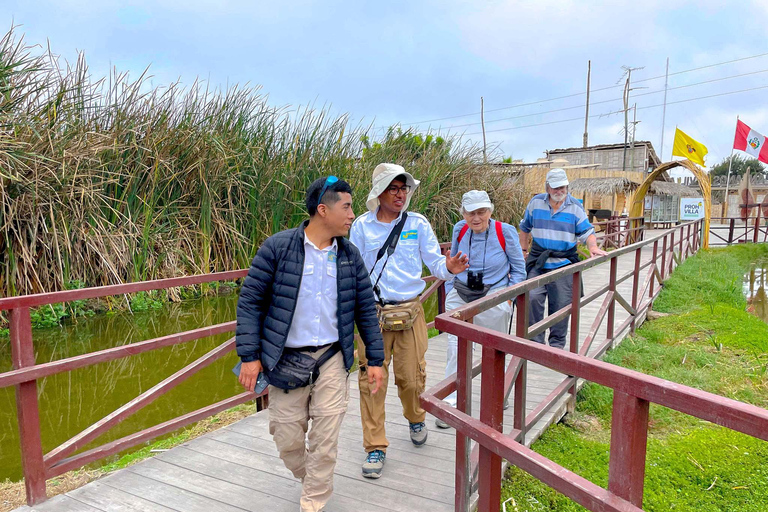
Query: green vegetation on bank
x=708, y=342
x=110, y=180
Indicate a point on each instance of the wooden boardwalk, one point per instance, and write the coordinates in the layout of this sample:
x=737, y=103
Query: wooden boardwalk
x=237, y=467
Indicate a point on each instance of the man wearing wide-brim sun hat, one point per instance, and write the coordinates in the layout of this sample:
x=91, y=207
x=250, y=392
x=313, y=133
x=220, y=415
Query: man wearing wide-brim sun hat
x=395, y=244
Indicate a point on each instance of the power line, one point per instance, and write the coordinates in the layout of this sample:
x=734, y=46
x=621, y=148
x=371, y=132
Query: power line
x=620, y=111
x=522, y=116
x=583, y=93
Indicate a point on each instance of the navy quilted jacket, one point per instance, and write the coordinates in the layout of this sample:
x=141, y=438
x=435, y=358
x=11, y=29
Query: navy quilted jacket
x=267, y=301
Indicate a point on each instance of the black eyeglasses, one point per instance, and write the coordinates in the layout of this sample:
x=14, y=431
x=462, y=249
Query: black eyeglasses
x=330, y=180
x=394, y=189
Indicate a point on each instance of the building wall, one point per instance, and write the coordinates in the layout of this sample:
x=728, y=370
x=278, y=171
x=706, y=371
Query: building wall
x=536, y=177
x=608, y=159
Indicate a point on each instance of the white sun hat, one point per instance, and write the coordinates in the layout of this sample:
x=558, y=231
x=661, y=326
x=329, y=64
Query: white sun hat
x=383, y=175
x=474, y=200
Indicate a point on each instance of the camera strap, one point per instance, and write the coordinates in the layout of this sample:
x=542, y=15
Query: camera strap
x=485, y=246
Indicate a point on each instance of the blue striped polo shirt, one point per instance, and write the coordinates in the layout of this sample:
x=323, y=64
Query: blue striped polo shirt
x=557, y=231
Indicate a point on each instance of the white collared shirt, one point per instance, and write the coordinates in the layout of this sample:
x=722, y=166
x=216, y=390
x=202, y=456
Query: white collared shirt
x=401, y=279
x=315, y=321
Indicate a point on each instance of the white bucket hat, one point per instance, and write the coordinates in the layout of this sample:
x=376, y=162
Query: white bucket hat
x=474, y=200
x=383, y=175
x=557, y=178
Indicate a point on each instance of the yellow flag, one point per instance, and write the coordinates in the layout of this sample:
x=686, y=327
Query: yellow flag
x=688, y=148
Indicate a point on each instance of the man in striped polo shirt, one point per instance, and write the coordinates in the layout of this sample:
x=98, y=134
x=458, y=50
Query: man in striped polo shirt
x=553, y=224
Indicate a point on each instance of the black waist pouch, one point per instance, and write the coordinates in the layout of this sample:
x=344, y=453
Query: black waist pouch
x=297, y=368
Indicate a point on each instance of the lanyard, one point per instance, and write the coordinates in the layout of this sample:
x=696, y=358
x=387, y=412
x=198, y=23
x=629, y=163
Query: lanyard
x=485, y=246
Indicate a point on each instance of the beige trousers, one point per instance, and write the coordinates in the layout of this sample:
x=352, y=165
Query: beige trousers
x=311, y=457
x=407, y=350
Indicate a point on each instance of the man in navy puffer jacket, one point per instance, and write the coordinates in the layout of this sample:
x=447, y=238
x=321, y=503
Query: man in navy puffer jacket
x=305, y=291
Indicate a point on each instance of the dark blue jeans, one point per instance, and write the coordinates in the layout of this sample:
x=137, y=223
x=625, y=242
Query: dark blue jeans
x=559, y=293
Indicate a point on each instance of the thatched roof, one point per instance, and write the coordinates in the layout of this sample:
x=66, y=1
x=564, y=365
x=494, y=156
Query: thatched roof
x=603, y=186
x=664, y=188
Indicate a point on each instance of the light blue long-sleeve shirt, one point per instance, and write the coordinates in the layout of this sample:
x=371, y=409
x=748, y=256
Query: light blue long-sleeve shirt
x=502, y=268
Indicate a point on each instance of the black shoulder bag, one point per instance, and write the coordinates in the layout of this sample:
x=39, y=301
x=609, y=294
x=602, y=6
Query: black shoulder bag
x=389, y=248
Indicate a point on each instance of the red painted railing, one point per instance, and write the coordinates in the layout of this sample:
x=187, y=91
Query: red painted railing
x=633, y=391
x=618, y=232
x=727, y=231
x=39, y=467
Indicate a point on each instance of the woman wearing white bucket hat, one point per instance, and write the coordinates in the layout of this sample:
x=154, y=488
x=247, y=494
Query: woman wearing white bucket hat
x=495, y=262
x=395, y=244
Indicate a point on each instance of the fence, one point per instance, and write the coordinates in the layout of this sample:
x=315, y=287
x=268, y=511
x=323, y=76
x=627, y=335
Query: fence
x=633, y=391
x=39, y=467
x=617, y=231
x=730, y=231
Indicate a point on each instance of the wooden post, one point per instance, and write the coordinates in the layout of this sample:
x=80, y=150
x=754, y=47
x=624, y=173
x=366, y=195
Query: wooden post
x=653, y=264
x=23, y=355
x=730, y=231
x=629, y=431
x=612, y=306
x=757, y=225
x=492, y=414
x=574, y=340
x=636, y=286
x=463, y=484
x=521, y=331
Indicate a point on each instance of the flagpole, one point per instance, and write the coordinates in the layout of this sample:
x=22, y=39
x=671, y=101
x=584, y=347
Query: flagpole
x=724, y=213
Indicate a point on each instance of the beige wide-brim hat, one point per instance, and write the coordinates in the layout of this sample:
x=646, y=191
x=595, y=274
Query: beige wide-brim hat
x=383, y=175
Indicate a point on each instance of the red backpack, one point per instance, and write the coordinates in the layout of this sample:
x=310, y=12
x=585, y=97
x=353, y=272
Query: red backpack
x=499, y=234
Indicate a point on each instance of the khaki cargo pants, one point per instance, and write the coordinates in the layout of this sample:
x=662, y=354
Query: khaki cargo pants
x=406, y=349
x=325, y=403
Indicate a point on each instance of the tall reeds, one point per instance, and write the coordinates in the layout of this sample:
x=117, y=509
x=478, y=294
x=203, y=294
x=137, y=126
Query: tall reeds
x=111, y=180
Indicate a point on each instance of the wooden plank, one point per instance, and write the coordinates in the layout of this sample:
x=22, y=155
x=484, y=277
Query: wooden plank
x=168, y=495
x=61, y=503
x=103, y=497
x=352, y=487
x=406, y=477
x=217, y=487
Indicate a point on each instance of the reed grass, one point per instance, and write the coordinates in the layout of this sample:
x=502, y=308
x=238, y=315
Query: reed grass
x=110, y=180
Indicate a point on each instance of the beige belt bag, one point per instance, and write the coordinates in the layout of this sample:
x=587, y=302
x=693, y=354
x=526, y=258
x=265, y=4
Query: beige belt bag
x=398, y=317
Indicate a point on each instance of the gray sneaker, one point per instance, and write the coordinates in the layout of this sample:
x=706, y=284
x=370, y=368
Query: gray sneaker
x=374, y=463
x=418, y=433
x=441, y=424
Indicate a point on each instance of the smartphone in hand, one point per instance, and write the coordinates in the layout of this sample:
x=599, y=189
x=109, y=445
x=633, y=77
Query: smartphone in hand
x=261, y=381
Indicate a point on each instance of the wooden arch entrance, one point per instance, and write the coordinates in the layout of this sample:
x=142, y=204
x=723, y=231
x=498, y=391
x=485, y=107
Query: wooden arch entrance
x=638, y=198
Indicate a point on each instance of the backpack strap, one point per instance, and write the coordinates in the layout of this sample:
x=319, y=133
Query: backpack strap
x=463, y=232
x=500, y=235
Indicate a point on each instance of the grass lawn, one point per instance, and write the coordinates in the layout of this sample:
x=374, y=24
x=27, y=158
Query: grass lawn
x=708, y=342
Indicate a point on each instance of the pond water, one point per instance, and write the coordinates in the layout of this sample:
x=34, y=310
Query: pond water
x=72, y=401
x=755, y=290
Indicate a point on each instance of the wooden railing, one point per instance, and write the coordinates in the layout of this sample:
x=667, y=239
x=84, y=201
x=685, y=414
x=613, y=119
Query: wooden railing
x=618, y=232
x=728, y=231
x=633, y=391
x=38, y=466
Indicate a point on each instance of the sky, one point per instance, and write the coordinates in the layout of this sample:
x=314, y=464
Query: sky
x=425, y=64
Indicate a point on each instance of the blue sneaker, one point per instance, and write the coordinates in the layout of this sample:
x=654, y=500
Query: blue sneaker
x=374, y=463
x=418, y=433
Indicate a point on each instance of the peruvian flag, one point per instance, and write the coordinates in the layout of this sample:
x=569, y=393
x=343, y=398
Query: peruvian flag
x=751, y=142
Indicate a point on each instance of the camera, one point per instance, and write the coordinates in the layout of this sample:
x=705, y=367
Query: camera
x=474, y=280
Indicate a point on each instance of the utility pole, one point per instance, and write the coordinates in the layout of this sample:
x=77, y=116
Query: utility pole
x=628, y=72
x=482, y=123
x=664, y=112
x=586, y=115
x=634, y=129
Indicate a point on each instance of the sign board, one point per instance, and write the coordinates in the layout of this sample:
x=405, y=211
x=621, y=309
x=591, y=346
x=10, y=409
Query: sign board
x=691, y=208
